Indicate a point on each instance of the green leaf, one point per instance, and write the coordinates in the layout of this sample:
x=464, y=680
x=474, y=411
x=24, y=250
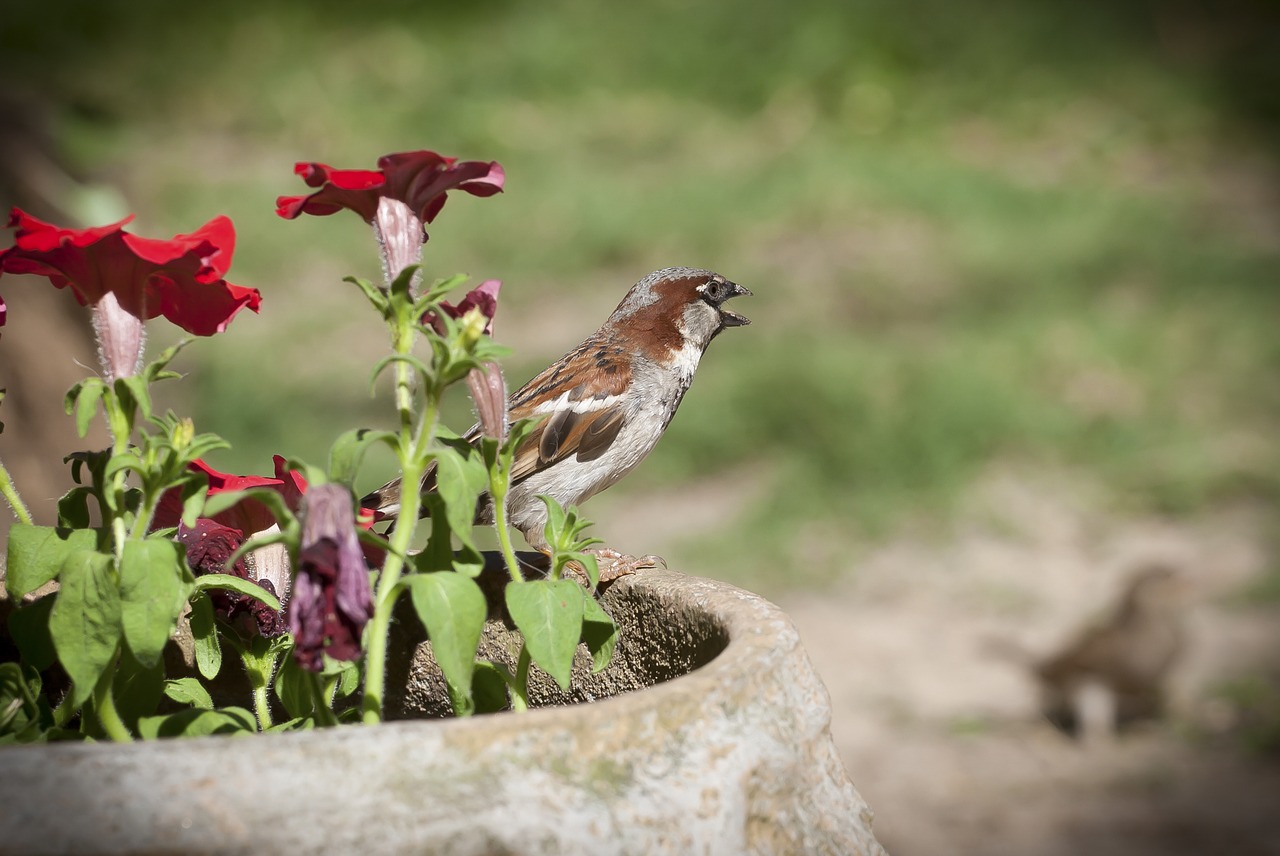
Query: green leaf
x=259, y=658
x=29, y=627
x=249, y=588
x=293, y=688
x=188, y=691
x=83, y=398
x=73, y=508
x=348, y=450
x=412, y=361
x=152, y=595
x=123, y=461
x=460, y=480
x=194, y=488
x=205, y=634
x=489, y=688
x=599, y=632
x=20, y=712
x=36, y=554
x=85, y=621
x=133, y=393
x=155, y=370
x=137, y=688
x=549, y=615
x=453, y=609
x=198, y=723
x=298, y=723
x=376, y=295
x=348, y=680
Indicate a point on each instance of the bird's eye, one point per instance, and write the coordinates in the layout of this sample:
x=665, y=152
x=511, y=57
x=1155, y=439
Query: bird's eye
x=713, y=291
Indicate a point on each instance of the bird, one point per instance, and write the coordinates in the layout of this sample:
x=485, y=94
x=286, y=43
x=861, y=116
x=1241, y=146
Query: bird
x=604, y=405
x=1116, y=672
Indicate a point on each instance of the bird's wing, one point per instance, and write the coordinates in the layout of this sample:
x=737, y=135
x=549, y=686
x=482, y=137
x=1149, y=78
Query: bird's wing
x=581, y=398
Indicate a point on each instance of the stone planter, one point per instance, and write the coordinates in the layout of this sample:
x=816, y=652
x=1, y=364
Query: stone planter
x=708, y=734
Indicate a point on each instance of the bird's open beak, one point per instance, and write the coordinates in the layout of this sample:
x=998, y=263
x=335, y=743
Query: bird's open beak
x=733, y=319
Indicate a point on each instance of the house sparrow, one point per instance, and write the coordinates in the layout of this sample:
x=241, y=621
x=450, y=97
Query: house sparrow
x=606, y=403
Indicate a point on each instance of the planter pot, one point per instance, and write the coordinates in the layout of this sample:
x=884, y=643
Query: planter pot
x=708, y=734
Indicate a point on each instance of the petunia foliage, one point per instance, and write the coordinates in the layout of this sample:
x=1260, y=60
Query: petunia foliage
x=156, y=566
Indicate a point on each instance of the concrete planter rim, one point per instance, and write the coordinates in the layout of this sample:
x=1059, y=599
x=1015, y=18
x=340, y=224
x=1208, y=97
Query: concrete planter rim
x=770, y=779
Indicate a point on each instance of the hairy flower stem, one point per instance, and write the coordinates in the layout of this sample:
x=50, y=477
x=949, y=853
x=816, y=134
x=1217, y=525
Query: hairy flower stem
x=413, y=451
x=104, y=705
x=10, y=493
x=498, y=487
x=262, y=708
x=121, y=430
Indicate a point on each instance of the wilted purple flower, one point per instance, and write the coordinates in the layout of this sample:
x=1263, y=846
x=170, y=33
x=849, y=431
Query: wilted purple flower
x=331, y=600
x=209, y=544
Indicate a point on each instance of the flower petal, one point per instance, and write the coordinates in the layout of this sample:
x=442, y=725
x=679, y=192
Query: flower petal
x=180, y=278
x=420, y=179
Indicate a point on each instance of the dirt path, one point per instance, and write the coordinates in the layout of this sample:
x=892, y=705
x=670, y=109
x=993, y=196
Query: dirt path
x=944, y=739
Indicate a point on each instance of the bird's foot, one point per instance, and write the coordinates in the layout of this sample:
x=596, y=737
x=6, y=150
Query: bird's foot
x=612, y=565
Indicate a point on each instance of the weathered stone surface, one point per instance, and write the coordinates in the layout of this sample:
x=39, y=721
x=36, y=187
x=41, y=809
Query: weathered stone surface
x=733, y=757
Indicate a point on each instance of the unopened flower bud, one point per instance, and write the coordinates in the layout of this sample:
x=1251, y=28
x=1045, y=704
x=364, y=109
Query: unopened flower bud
x=183, y=433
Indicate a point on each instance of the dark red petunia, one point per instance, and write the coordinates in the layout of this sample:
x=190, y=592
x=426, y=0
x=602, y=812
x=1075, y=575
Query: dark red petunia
x=181, y=278
x=331, y=600
x=208, y=547
x=419, y=179
x=483, y=297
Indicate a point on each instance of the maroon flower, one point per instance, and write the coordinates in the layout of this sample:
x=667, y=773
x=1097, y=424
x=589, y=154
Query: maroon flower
x=483, y=297
x=332, y=600
x=209, y=545
x=419, y=179
x=3, y=311
x=181, y=278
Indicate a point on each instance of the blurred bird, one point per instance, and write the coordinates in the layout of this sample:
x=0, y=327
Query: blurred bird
x=1115, y=673
x=605, y=404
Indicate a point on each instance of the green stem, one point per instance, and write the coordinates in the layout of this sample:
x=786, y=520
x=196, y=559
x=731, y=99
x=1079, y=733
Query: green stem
x=121, y=431
x=520, y=687
x=20, y=509
x=143, y=521
x=104, y=704
x=325, y=716
x=498, y=490
x=262, y=707
x=413, y=454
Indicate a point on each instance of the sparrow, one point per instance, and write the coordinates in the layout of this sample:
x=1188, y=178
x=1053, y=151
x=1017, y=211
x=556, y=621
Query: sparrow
x=604, y=405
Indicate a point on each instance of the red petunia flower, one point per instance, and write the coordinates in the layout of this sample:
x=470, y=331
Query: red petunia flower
x=419, y=179
x=181, y=278
x=249, y=515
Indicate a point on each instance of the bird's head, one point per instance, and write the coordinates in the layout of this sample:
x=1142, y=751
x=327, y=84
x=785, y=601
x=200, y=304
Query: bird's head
x=680, y=306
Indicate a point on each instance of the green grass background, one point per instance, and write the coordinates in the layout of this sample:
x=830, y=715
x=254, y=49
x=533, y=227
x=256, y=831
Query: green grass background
x=1041, y=235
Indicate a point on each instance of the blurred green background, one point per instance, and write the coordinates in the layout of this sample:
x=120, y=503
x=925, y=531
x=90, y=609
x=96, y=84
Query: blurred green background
x=1034, y=235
